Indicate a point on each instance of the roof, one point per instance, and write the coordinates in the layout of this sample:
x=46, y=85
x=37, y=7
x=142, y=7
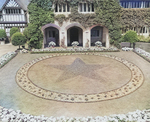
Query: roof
x=22, y=3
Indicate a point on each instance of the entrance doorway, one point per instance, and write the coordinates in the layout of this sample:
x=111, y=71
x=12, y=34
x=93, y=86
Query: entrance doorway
x=74, y=34
x=96, y=35
x=52, y=34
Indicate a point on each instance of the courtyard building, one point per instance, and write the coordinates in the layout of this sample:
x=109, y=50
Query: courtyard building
x=14, y=13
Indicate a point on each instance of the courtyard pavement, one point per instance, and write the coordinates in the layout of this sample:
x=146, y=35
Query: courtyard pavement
x=12, y=96
x=7, y=48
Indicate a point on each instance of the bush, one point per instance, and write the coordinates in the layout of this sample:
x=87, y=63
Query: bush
x=18, y=39
x=13, y=30
x=130, y=36
x=26, y=33
x=143, y=39
x=3, y=35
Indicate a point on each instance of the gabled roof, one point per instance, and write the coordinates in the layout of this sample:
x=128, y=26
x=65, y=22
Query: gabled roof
x=22, y=3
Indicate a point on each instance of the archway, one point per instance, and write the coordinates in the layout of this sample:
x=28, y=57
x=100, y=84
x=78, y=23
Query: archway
x=97, y=35
x=74, y=34
x=51, y=34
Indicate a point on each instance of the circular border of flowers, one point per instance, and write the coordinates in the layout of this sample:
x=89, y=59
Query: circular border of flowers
x=137, y=79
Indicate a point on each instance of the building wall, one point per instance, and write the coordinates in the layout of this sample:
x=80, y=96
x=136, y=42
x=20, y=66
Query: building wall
x=86, y=32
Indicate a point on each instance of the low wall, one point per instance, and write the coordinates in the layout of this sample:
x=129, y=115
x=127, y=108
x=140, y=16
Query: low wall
x=144, y=46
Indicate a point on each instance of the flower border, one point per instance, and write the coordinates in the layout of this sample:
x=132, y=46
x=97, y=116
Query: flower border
x=26, y=84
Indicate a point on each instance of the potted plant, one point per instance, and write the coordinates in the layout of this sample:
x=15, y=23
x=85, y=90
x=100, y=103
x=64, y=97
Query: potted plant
x=98, y=44
x=75, y=44
x=52, y=44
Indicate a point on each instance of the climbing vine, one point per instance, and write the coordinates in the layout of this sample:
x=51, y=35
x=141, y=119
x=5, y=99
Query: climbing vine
x=38, y=18
x=61, y=18
x=108, y=13
x=135, y=18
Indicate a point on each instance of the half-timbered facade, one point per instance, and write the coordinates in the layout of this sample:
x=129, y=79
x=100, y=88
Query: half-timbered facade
x=12, y=14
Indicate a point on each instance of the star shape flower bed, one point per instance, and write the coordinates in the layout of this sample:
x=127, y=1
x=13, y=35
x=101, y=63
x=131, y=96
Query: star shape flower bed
x=79, y=67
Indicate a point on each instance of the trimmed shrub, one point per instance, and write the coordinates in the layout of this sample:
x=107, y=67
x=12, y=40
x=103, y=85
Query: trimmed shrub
x=3, y=35
x=130, y=36
x=143, y=39
x=18, y=39
x=13, y=30
x=26, y=34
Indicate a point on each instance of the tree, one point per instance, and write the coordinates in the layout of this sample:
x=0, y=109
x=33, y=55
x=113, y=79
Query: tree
x=13, y=30
x=38, y=18
x=26, y=33
x=108, y=14
x=18, y=39
x=3, y=35
x=131, y=36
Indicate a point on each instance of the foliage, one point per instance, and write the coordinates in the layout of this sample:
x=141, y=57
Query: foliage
x=108, y=14
x=18, y=39
x=143, y=38
x=13, y=30
x=35, y=35
x=38, y=18
x=45, y=4
x=135, y=18
x=86, y=20
x=61, y=18
x=2, y=34
x=26, y=34
x=72, y=3
x=130, y=36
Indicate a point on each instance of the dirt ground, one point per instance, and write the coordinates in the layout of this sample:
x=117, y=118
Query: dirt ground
x=12, y=96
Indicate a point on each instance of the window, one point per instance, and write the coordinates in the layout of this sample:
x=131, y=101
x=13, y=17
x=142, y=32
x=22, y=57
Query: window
x=13, y=11
x=68, y=8
x=56, y=8
x=52, y=34
x=62, y=8
x=84, y=7
x=89, y=7
x=95, y=33
x=80, y=5
x=92, y=7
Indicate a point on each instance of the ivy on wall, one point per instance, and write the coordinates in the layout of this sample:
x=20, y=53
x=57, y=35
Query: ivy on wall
x=108, y=13
x=38, y=18
x=135, y=18
x=61, y=18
